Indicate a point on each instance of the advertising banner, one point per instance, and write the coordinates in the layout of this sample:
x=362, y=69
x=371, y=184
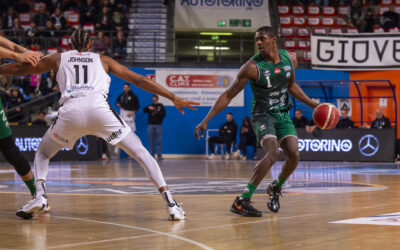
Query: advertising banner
x=355, y=51
x=363, y=145
x=27, y=140
x=203, y=86
x=238, y=15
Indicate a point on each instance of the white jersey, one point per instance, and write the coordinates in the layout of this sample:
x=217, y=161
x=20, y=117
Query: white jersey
x=81, y=74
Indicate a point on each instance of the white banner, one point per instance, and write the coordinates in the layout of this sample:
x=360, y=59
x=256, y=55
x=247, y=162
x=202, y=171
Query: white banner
x=232, y=15
x=203, y=86
x=355, y=51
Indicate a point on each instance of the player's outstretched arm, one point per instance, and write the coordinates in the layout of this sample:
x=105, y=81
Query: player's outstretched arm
x=298, y=93
x=113, y=67
x=246, y=72
x=11, y=50
x=45, y=64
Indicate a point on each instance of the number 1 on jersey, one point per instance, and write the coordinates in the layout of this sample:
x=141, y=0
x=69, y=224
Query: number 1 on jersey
x=77, y=74
x=269, y=82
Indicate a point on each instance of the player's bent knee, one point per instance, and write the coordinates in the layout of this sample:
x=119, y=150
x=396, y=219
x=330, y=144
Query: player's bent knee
x=273, y=155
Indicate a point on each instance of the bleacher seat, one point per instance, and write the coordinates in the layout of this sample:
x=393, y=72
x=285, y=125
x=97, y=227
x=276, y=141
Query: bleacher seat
x=394, y=30
x=340, y=22
x=285, y=20
x=306, y=56
x=328, y=21
x=303, y=33
x=328, y=10
x=386, y=2
x=397, y=2
x=65, y=40
x=335, y=31
x=319, y=30
x=289, y=44
x=298, y=10
x=313, y=21
x=303, y=44
x=37, y=5
x=287, y=32
x=313, y=11
x=396, y=9
x=72, y=18
x=283, y=10
x=51, y=50
x=299, y=21
x=343, y=10
x=379, y=30
x=25, y=17
x=382, y=9
x=89, y=27
x=352, y=31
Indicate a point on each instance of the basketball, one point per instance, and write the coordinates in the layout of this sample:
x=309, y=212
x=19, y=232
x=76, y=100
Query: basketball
x=326, y=116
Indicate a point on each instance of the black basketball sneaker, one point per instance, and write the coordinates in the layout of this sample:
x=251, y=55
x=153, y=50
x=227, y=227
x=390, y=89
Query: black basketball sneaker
x=243, y=207
x=273, y=202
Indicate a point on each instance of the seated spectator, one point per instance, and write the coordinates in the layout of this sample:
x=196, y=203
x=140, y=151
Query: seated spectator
x=119, y=46
x=247, y=137
x=41, y=18
x=51, y=35
x=345, y=122
x=33, y=35
x=101, y=44
x=8, y=18
x=58, y=20
x=15, y=100
x=119, y=21
x=17, y=32
x=369, y=22
x=381, y=121
x=299, y=120
x=356, y=14
x=41, y=120
x=227, y=134
x=104, y=20
x=311, y=127
x=49, y=83
x=88, y=12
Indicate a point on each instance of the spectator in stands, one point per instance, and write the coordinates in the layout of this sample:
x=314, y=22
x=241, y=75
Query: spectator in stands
x=88, y=12
x=128, y=103
x=6, y=81
x=119, y=21
x=51, y=35
x=33, y=35
x=381, y=121
x=345, y=122
x=156, y=116
x=14, y=101
x=41, y=18
x=41, y=120
x=247, y=137
x=227, y=134
x=48, y=84
x=356, y=14
x=119, y=46
x=389, y=20
x=368, y=22
x=34, y=84
x=299, y=120
x=105, y=3
x=58, y=20
x=101, y=44
x=17, y=32
x=8, y=18
x=22, y=82
x=104, y=20
x=311, y=127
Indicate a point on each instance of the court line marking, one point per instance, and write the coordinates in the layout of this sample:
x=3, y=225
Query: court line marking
x=196, y=243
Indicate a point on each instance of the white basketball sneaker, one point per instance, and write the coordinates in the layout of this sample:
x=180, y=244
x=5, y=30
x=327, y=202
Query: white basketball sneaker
x=175, y=212
x=36, y=205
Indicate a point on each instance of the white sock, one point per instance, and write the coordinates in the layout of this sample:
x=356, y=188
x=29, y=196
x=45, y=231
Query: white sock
x=40, y=188
x=167, y=197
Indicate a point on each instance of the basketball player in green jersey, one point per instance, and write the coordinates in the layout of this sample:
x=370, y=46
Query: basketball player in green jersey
x=8, y=148
x=271, y=77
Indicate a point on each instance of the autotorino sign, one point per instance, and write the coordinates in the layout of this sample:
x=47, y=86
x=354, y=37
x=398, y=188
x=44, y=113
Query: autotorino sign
x=346, y=145
x=198, y=85
x=355, y=51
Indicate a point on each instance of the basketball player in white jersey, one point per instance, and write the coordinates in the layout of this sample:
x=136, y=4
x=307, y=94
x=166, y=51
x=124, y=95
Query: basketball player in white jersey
x=84, y=85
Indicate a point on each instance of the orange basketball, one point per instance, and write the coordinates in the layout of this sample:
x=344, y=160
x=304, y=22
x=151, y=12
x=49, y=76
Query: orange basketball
x=326, y=116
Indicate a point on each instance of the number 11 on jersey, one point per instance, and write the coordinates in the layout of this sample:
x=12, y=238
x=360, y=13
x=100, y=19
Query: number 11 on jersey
x=85, y=80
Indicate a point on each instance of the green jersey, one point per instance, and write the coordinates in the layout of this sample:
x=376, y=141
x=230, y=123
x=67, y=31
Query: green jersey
x=270, y=91
x=5, y=130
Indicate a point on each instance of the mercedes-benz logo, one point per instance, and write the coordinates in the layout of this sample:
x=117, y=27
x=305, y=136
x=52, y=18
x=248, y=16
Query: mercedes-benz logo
x=82, y=145
x=368, y=145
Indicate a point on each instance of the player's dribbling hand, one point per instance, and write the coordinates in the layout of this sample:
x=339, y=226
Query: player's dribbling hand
x=29, y=56
x=180, y=103
x=199, y=130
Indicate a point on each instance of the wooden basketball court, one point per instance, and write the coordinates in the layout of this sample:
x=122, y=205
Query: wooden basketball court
x=114, y=206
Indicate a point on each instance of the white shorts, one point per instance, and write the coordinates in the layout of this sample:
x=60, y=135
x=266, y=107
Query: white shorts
x=78, y=117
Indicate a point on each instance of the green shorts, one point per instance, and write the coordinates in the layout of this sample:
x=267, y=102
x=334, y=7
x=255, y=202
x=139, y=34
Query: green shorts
x=276, y=124
x=5, y=130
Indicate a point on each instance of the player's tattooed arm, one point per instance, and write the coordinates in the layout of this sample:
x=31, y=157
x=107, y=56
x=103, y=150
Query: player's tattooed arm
x=113, y=67
x=45, y=64
x=247, y=72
